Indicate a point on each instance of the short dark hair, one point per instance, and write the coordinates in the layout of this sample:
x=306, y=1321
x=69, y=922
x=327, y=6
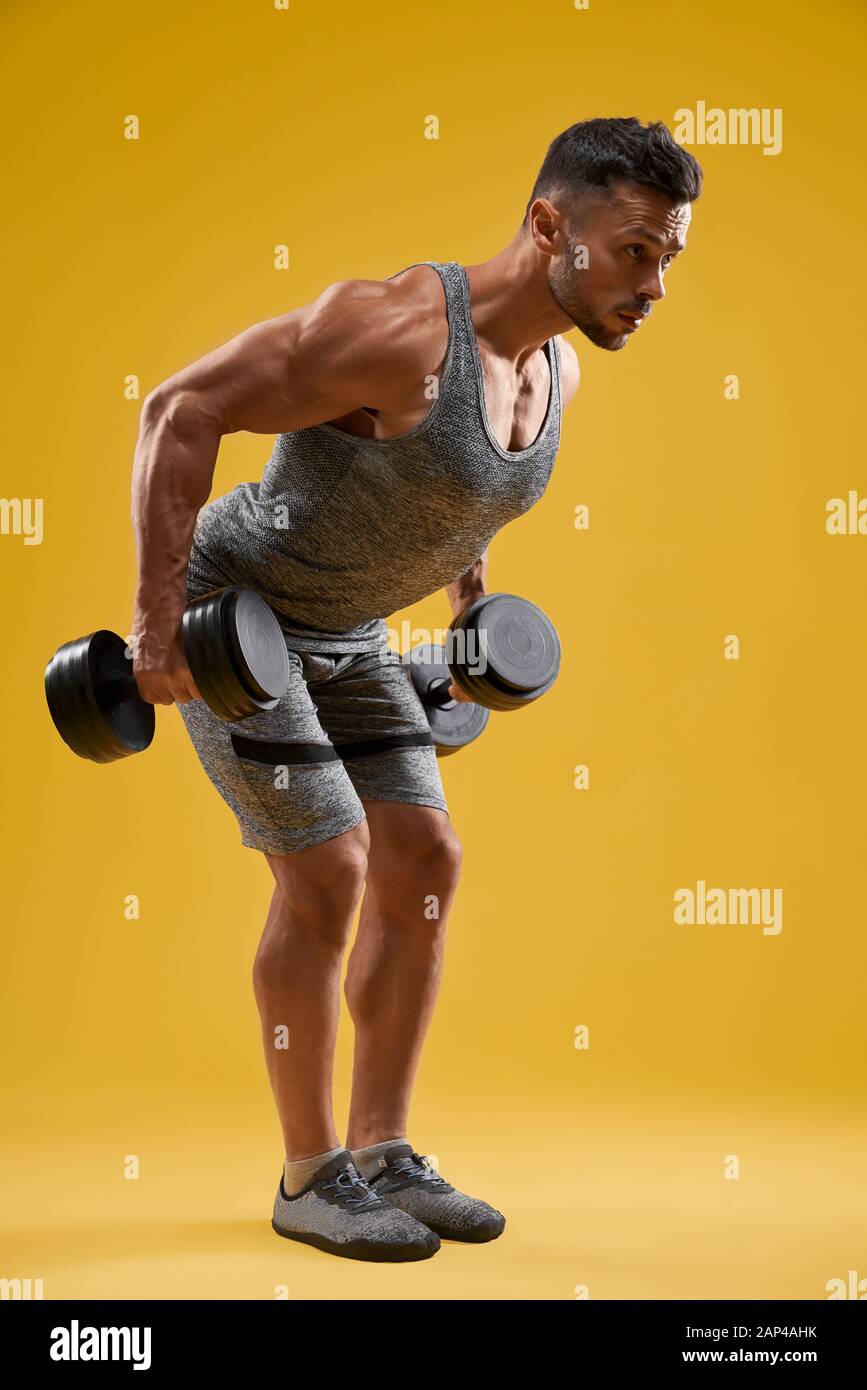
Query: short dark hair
x=593, y=155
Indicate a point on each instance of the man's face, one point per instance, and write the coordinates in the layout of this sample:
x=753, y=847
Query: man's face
x=630, y=241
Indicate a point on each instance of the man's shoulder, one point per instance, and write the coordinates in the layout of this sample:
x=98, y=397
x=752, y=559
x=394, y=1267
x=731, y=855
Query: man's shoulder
x=400, y=324
x=405, y=298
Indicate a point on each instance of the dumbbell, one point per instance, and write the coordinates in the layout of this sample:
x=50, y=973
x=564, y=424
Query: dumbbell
x=234, y=648
x=502, y=651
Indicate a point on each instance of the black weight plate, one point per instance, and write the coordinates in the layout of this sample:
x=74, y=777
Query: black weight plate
x=454, y=724
x=258, y=648
x=233, y=664
x=520, y=642
x=469, y=663
x=209, y=657
x=463, y=654
x=81, y=683
x=204, y=648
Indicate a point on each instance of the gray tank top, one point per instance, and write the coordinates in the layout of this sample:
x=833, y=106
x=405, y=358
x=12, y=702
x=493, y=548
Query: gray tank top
x=342, y=532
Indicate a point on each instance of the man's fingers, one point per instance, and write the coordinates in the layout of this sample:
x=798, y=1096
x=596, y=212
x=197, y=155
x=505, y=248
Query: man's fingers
x=153, y=695
x=457, y=694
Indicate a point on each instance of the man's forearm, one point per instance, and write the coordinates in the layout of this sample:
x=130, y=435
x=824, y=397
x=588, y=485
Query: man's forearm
x=172, y=476
x=464, y=591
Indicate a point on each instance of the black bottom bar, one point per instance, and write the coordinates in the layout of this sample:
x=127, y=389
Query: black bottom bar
x=227, y=1337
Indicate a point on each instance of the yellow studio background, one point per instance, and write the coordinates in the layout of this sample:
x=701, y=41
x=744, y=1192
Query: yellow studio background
x=708, y=1044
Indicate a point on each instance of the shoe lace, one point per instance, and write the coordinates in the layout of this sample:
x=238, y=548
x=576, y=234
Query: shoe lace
x=418, y=1166
x=352, y=1189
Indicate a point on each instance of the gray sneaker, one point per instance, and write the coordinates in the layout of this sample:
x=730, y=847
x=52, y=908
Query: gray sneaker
x=338, y=1212
x=407, y=1181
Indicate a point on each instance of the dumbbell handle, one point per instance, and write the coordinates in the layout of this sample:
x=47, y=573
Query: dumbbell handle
x=438, y=692
x=120, y=688
x=117, y=689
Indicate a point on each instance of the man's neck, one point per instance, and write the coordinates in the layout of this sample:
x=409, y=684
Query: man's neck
x=513, y=308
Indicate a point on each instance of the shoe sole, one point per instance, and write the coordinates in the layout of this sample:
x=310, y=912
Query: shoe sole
x=358, y=1249
x=465, y=1237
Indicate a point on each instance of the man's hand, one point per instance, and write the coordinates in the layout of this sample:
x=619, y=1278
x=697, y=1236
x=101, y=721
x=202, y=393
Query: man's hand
x=462, y=593
x=161, y=671
x=459, y=604
x=457, y=694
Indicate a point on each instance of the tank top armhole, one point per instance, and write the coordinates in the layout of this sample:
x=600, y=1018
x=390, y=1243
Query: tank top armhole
x=556, y=365
x=441, y=269
x=556, y=395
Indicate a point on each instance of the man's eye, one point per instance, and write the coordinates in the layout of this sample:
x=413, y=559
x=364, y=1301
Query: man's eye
x=635, y=247
x=667, y=260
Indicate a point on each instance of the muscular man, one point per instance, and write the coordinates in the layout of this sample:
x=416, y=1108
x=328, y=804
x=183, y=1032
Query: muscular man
x=414, y=417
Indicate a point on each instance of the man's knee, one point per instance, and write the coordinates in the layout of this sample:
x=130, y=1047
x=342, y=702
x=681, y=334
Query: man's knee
x=446, y=853
x=422, y=861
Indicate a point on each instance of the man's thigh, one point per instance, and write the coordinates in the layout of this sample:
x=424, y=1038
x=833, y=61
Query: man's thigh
x=277, y=771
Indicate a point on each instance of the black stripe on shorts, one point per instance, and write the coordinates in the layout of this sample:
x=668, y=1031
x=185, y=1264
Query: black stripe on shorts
x=257, y=750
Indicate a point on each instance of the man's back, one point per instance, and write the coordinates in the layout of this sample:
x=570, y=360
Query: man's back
x=347, y=527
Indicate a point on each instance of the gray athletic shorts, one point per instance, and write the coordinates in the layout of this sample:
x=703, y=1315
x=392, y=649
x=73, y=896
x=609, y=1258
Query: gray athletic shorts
x=350, y=726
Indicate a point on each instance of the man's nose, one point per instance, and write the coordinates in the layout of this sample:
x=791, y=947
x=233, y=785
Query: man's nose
x=651, y=287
